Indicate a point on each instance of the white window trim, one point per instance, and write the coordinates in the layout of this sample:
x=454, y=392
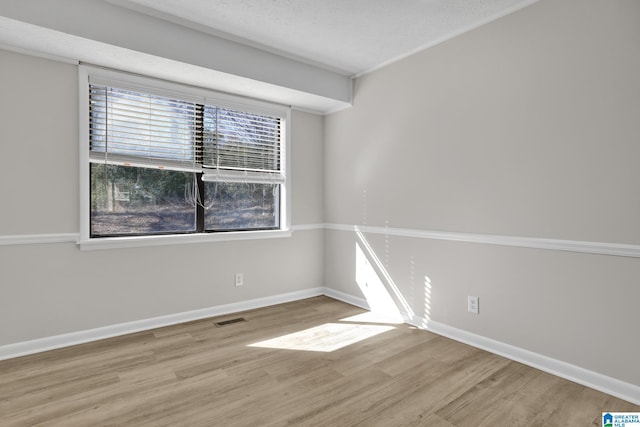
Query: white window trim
x=212, y=97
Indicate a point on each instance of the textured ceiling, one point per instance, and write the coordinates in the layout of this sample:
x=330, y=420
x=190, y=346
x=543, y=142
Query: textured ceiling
x=292, y=52
x=349, y=36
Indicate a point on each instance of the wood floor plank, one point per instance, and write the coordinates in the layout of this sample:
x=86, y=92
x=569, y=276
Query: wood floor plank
x=420, y=393
x=199, y=374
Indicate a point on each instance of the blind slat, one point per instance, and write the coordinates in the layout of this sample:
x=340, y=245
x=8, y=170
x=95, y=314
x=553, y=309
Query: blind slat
x=245, y=176
x=139, y=161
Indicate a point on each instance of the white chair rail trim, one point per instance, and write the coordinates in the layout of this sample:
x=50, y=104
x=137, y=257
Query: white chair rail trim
x=598, y=248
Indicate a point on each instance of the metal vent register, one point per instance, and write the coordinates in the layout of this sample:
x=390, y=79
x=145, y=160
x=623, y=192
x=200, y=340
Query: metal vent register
x=230, y=321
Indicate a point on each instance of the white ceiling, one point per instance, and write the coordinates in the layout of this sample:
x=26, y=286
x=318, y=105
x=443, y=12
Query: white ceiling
x=348, y=36
x=294, y=52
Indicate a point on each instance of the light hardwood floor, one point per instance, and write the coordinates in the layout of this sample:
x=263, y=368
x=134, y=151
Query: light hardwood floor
x=198, y=374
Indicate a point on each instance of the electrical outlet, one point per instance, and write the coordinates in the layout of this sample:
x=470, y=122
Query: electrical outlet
x=473, y=304
x=239, y=279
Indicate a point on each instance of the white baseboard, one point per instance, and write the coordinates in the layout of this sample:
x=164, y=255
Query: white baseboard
x=612, y=386
x=591, y=379
x=349, y=299
x=65, y=340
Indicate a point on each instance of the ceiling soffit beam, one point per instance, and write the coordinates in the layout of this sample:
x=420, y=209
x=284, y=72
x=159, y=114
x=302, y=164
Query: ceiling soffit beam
x=79, y=21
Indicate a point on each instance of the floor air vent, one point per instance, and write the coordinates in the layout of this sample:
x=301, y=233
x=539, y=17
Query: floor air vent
x=229, y=322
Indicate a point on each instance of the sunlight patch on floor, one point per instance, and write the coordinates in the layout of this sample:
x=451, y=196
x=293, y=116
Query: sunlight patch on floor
x=324, y=338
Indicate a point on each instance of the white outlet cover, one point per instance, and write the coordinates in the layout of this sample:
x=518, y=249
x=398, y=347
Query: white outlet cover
x=473, y=304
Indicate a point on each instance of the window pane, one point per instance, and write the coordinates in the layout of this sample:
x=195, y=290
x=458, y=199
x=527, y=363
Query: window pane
x=241, y=206
x=132, y=201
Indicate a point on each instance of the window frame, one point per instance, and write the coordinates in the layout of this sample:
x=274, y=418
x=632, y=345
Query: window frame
x=208, y=96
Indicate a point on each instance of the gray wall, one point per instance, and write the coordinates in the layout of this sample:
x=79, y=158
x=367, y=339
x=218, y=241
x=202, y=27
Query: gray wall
x=525, y=127
x=50, y=289
x=529, y=127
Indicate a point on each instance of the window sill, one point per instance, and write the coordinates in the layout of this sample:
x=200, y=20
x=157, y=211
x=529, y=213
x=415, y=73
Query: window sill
x=178, y=239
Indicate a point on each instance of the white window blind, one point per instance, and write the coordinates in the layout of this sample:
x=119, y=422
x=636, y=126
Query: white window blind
x=141, y=129
x=241, y=146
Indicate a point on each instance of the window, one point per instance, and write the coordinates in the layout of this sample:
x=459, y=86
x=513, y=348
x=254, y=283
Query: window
x=159, y=159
